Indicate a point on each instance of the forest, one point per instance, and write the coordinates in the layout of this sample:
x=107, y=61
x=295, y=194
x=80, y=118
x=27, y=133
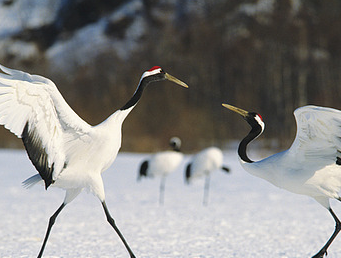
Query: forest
x=270, y=60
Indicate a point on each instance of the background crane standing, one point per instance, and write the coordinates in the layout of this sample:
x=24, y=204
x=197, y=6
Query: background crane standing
x=161, y=164
x=203, y=164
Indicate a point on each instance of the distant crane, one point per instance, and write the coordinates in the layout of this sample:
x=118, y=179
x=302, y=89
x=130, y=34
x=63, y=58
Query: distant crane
x=203, y=164
x=162, y=164
x=311, y=166
x=66, y=151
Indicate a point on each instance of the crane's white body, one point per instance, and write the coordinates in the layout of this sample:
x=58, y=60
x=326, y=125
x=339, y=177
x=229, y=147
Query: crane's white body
x=87, y=163
x=66, y=151
x=206, y=162
x=163, y=163
x=80, y=152
x=309, y=166
x=203, y=164
x=321, y=183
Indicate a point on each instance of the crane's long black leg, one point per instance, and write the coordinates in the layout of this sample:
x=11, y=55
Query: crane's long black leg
x=323, y=251
x=206, y=190
x=162, y=190
x=51, y=222
x=113, y=224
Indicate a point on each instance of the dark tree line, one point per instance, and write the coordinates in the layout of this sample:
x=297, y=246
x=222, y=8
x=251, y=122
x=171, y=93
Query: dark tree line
x=270, y=61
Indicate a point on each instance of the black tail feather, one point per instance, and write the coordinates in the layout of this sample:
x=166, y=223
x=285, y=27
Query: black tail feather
x=226, y=169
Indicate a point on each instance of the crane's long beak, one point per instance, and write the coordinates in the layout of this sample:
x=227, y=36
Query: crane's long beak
x=237, y=110
x=177, y=81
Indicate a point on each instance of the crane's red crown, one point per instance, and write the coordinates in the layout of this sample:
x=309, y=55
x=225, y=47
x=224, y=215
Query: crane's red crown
x=154, y=68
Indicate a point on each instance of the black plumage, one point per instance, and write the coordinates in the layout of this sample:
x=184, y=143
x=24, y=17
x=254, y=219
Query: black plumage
x=37, y=154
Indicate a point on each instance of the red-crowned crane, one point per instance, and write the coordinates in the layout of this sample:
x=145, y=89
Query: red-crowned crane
x=161, y=164
x=203, y=164
x=66, y=151
x=311, y=166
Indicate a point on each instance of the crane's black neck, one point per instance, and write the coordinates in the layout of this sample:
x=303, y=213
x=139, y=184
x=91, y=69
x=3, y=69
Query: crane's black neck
x=137, y=95
x=254, y=133
x=144, y=82
x=176, y=148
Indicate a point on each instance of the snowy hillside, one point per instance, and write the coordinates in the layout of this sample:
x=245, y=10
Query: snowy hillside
x=69, y=33
x=73, y=33
x=245, y=217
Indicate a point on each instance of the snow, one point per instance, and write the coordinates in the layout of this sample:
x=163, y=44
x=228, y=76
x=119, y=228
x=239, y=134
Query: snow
x=26, y=14
x=245, y=216
x=261, y=6
x=85, y=45
x=20, y=49
x=91, y=40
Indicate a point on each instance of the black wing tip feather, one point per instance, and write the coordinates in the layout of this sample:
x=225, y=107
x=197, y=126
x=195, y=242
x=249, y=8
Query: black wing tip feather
x=188, y=173
x=143, y=170
x=226, y=169
x=37, y=154
x=338, y=161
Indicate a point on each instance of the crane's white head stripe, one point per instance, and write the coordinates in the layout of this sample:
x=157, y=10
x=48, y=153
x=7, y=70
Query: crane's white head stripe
x=259, y=120
x=152, y=71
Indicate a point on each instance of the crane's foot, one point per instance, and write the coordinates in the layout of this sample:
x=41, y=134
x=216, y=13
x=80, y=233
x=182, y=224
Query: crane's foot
x=320, y=254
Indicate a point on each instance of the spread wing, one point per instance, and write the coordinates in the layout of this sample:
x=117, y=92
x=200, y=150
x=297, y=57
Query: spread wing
x=318, y=137
x=33, y=109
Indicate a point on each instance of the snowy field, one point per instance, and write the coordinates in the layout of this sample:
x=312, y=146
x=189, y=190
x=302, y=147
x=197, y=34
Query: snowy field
x=245, y=217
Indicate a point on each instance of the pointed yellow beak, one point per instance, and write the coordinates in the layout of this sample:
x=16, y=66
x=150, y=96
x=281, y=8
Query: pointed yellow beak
x=177, y=81
x=237, y=110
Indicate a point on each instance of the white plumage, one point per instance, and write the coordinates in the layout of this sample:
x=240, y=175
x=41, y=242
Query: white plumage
x=203, y=164
x=66, y=151
x=162, y=164
x=311, y=166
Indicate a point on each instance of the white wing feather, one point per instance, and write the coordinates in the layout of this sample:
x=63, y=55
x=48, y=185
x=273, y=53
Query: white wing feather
x=34, y=101
x=318, y=137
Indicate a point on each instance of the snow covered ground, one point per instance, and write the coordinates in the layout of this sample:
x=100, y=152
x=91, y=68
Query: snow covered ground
x=245, y=217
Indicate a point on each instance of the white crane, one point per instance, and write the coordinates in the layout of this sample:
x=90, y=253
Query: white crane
x=311, y=166
x=161, y=164
x=203, y=164
x=66, y=151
